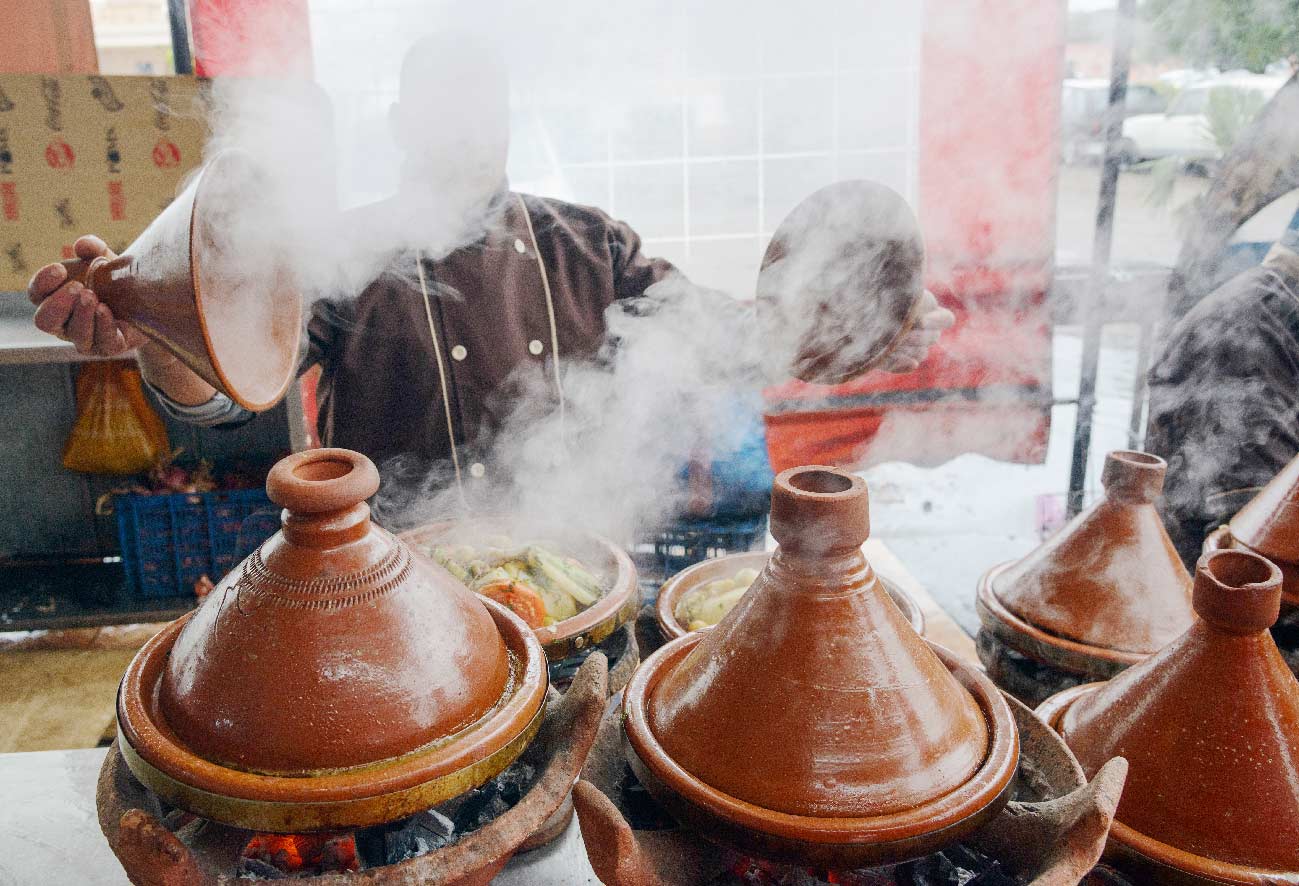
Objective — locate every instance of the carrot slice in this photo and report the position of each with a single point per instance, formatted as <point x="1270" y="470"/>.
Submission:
<point x="520" y="599"/>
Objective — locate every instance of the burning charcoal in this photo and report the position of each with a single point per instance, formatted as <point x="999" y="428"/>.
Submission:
<point x="485" y="803"/>
<point x="251" y="868"/>
<point x="276" y="856"/>
<point x="955" y="866"/>
<point x="640" y="809"/>
<point x="418" y="835"/>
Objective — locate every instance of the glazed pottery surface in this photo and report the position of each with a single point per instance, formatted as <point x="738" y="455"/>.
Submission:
<point x="1210" y="727"/>
<point x="203" y="283"/>
<point x="1222" y="539"/>
<point x="813" y="711"/>
<point x="1269" y="523"/>
<point x="842" y="280"/>
<point x="334" y="665"/>
<point x="592" y="625"/>
<point x="1108" y="585"/>
<point x="726" y="566"/>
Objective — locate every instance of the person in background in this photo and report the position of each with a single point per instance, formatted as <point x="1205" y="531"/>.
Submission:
<point x="415" y="365"/>
<point x="1224" y="397"/>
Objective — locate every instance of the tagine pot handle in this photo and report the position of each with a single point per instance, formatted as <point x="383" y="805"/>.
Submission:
<point x="1073" y="829"/>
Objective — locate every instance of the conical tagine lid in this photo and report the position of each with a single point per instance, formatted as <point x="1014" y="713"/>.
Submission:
<point x="1210" y="729"/>
<point x="814" y="696"/>
<point x="334" y="678"/>
<point x="1110" y="579"/>
<point x="1269" y="524"/>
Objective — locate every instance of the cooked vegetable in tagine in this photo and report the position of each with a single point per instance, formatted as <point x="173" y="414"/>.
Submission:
<point x="708" y="604"/>
<point x="537" y="584"/>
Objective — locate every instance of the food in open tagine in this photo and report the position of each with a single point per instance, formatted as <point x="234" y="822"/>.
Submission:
<point x="537" y="584"/>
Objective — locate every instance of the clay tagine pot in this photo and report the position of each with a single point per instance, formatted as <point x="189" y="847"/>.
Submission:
<point x="334" y="679"/>
<point x="1269" y="525"/>
<point x="813" y="725"/>
<point x="1104" y="592"/>
<point x="1210" y="728"/>
<point x="726" y="566"/>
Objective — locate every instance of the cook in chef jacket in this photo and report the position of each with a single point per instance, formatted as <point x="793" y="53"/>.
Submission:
<point x="416" y="366"/>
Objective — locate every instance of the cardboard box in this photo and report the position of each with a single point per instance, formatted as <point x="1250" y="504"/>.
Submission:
<point x="89" y="155"/>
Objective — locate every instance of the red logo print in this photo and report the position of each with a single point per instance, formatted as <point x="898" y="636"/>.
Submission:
<point x="165" y="154"/>
<point x="9" y="200"/>
<point x="59" y="155"/>
<point x="116" y="201"/>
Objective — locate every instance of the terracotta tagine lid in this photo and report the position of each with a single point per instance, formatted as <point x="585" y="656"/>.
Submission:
<point x="1104" y="592"/>
<point x="813" y="724"/>
<point x="1269" y="525"/>
<point x="333" y="674"/>
<point x="1210" y="728"/>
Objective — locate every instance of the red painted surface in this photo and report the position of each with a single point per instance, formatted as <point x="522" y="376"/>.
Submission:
<point x="989" y="123"/>
<point x="250" y="38"/>
<point x="47" y="37"/>
<point x="253" y="38"/>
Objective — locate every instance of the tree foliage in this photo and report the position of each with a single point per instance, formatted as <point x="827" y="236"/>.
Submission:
<point x="1228" y="34"/>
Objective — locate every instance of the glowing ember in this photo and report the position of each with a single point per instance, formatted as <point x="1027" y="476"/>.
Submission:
<point x="277" y="855"/>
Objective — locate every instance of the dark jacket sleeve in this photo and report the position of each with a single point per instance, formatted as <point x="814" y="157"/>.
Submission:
<point x="633" y="270"/>
<point x="1224" y="402"/>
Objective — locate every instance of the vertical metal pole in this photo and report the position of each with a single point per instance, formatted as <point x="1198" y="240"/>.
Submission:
<point x="1145" y="331"/>
<point x="1101" y="245"/>
<point x="180" y="51"/>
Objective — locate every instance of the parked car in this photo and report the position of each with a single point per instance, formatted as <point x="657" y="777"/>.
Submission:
<point x="1186" y="130"/>
<point x="1082" y="115"/>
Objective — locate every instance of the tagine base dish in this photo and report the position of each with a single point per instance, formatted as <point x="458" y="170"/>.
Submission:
<point x="840" y="842"/>
<point x="700" y="574"/>
<point x="571" y="638"/>
<point x="158" y="845"/>
<point x="1071" y="656"/>
<point x="343" y="798"/>
<point x="1150" y="861"/>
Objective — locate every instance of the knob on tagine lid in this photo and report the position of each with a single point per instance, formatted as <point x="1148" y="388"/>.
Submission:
<point x="1210" y="728"/>
<point x="813" y="712"/>
<point x="332" y="667"/>
<point x="1109" y="585"/>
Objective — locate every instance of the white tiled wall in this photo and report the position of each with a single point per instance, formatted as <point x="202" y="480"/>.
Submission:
<point x="700" y="122"/>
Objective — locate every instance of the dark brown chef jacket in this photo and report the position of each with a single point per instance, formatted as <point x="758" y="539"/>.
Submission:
<point x="380" y="391"/>
<point x="1224" y="399"/>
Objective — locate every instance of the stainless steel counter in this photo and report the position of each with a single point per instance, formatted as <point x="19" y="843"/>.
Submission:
<point x="49" y="831"/>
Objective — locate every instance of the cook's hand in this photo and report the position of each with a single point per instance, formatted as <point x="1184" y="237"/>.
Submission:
<point x="914" y="347"/>
<point x="74" y="313"/>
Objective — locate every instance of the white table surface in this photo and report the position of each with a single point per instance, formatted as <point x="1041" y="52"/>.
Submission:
<point x="49" y="831"/>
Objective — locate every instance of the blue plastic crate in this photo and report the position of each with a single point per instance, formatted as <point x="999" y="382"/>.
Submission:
<point x="169" y="541"/>
<point x="688" y="542"/>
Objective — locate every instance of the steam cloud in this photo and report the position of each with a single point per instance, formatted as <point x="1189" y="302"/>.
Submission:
<point x="612" y="460"/>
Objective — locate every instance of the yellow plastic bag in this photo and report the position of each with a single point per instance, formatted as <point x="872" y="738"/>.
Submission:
<point x="116" y="431"/>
